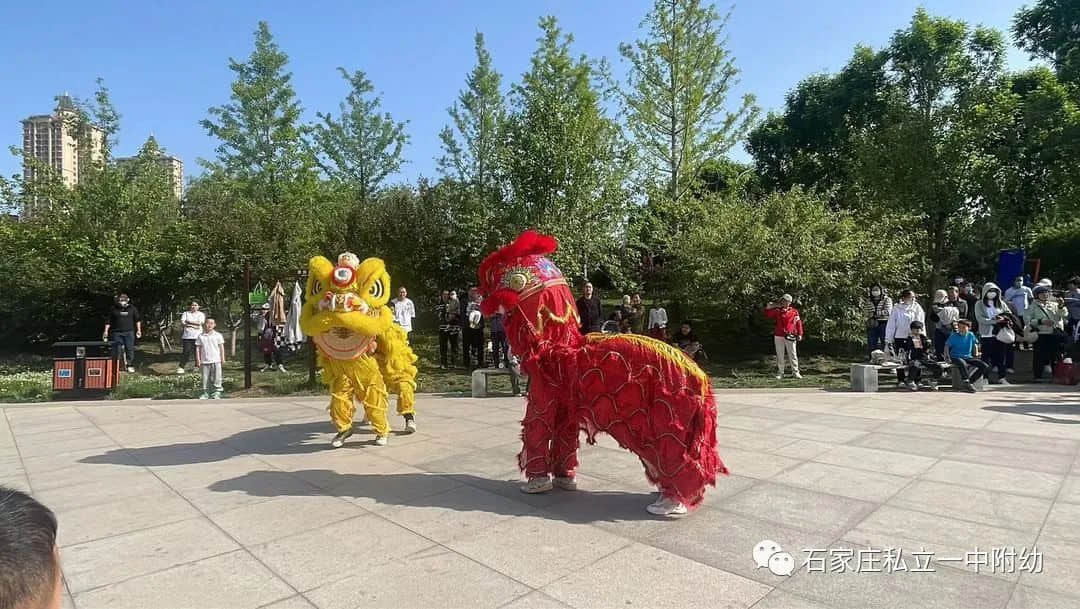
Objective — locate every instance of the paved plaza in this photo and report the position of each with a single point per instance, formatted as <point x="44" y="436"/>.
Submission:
<point x="240" y="504"/>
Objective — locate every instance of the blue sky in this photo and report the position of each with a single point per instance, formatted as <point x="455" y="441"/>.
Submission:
<point x="166" y="62"/>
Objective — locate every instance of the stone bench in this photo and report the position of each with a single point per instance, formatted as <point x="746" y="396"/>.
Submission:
<point x="864" y="377"/>
<point x="480" y="380"/>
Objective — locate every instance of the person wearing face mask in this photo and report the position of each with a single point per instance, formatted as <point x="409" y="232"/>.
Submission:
<point x="877" y="309"/>
<point x="970" y="298"/>
<point x="123" y="327"/>
<point x="1047" y="315"/>
<point x="898" y="329"/>
<point x="991" y="313"/>
<point x="1019" y="297"/>
<point x="944" y="314"/>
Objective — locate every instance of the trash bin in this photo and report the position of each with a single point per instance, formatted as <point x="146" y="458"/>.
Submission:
<point x="81" y="369"/>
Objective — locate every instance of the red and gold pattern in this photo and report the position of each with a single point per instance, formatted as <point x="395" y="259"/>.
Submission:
<point x="650" y="397"/>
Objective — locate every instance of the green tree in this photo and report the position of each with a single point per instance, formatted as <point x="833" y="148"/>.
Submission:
<point x="1050" y="30"/>
<point x="472" y="148"/>
<point x="1028" y="170"/>
<point x="261" y="138"/>
<point x="565" y="161"/>
<point x="677" y="91"/>
<point x="362" y="147"/>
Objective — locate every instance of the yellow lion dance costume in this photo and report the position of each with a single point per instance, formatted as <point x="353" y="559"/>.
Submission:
<point x="361" y="351"/>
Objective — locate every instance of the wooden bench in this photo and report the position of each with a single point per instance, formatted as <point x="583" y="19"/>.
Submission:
<point x="480" y="380"/>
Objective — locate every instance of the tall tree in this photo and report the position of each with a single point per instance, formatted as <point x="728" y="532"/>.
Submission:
<point x="261" y="138"/>
<point x="362" y="147"/>
<point x="1050" y="30"/>
<point x="921" y="163"/>
<point x="565" y="159"/>
<point x="472" y="147"/>
<point x="676" y="97"/>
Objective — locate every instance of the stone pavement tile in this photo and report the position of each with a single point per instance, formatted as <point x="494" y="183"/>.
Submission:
<point x="534" y="600"/>
<point x="977" y="505"/>
<point x="536" y="550"/>
<point x="383" y="486"/>
<point x="1051" y="463"/>
<point x="912" y="445"/>
<point x="437" y="426"/>
<point x="283" y="516"/>
<point x="176" y="454"/>
<point x="314" y="558"/>
<point x="617" y="464"/>
<point x="995" y="478"/>
<point x="649" y="577"/>
<point x="945" y="588"/>
<point x="740" y="421"/>
<point x="120" y="413"/>
<point x="203" y="474"/>
<point x="1025" y="442"/>
<point x="66" y="602"/>
<point x="61" y="442"/>
<point x="141" y="435"/>
<point x="868" y="411"/>
<point x="488" y="437"/>
<point x="490" y="463"/>
<point x="726" y="540"/>
<point x="1070" y="492"/>
<point x="115" y="559"/>
<point x="751" y="440"/>
<point x="780" y="414"/>
<point x="16" y="482"/>
<point x="803" y="449"/>
<point x="1076" y="466"/>
<point x="821" y="433"/>
<point x="836" y="480"/>
<point x="1060" y="564"/>
<point x="234" y="580"/>
<point x="294" y="602"/>
<point x="90" y="457"/>
<point x="1064" y="523"/>
<point x="435" y="577"/>
<point x="78" y="493"/>
<point x="46" y="420"/>
<point x="87" y="523"/>
<point x="931" y="432"/>
<point x="946" y="537"/>
<point x="961" y="421"/>
<point x="799" y="508"/>
<point x="455" y="513"/>
<point x="754" y="464"/>
<point x="1032" y="427"/>
<point x="778" y="599"/>
<point x="80" y="472"/>
<point x="886" y="462"/>
<point x="1027" y="597"/>
<point x="429" y="449"/>
<point x="844" y="421"/>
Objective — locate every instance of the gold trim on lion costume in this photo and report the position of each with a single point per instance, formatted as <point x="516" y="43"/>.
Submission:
<point x="363" y="354"/>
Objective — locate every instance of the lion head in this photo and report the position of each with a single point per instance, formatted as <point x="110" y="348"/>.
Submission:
<point x="346" y="305"/>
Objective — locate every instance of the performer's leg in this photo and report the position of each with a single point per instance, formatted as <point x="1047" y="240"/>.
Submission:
<point x="342" y="410"/>
<point x="370" y="389"/>
<point x="537" y="431"/>
<point x="564" y="450"/>
<point x="406" y="406"/>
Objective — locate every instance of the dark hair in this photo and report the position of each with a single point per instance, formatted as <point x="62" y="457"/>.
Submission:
<point x="906" y="294"/>
<point x="963" y="321"/>
<point x="916" y="325"/>
<point x="1073" y="280"/>
<point x="28" y="567"/>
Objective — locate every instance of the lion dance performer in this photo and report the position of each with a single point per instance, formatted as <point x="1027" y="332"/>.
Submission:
<point x="649" y="396"/>
<point x="361" y="351"/>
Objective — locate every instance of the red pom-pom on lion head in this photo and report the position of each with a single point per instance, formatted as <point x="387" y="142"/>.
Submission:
<point x="517" y="270"/>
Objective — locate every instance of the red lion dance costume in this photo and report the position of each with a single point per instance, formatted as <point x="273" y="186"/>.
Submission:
<point x="649" y="396"/>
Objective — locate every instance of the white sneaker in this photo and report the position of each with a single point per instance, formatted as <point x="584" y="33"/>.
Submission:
<point x="179" y="370"/>
<point x="382" y="440"/>
<point x="1010" y="371"/>
<point x="264" y="368"/>
<point x="666" y="507"/>
<point x="797" y="375"/>
<point x="912" y="386"/>
<point x="541" y="484"/>
<point x="281" y="368"/>
<point x="779" y="377"/>
<point x="565" y="483"/>
<point x="1048" y="371"/>
<point x="410" y="425"/>
<point x="131" y="368"/>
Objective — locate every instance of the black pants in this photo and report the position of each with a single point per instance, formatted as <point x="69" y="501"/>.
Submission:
<point x="472" y="348"/>
<point x="993" y="353"/>
<point x="1047" y="353"/>
<point x="272" y="358"/>
<point x="499" y="348"/>
<point x="127" y="343"/>
<point x="901" y="345"/>
<point x="188" y="353"/>
<point x="448" y="346"/>
<point x="940" y="336"/>
<point x="973" y="369"/>
<point x="915" y="368"/>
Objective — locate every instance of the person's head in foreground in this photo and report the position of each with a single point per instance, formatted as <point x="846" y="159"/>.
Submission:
<point x="962" y="326"/>
<point x="29" y="560"/>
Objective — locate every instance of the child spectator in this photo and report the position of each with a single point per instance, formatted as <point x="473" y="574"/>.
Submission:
<point x="921" y="357"/>
<point x="962" y="349"/>
<point x="786" y="333"/>
<point x="209" y="355"/>
<point x="270" y="345"/>
<point x="658" y="322"/>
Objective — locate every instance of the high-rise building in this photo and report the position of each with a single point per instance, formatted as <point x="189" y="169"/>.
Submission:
<point x="173" y="166"/>
<point x="55" y="140"/>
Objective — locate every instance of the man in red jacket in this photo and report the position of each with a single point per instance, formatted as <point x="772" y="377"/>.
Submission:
<point x="787" y="333"/>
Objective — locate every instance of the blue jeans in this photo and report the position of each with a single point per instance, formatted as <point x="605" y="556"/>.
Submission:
<point x="875" y="338"/>
<point x="127" y="341"/>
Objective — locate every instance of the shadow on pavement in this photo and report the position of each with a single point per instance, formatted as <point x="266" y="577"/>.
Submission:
<point x="1037" y="406"/>
<point x="431" y="490"/>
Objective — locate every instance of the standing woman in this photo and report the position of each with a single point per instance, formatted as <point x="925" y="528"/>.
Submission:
<point x="658" y="322"/>
<point x="878" y="308"/>
<point x="991" y="315"/>
<point x="898" y="329"/>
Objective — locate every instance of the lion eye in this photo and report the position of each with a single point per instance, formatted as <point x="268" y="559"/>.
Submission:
<point x="517" y="281"/>
<point x="377" y="289"/>
<point x="316" y="287"/>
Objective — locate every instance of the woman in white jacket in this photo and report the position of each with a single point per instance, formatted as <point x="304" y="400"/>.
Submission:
<point x="898" y="330"/>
